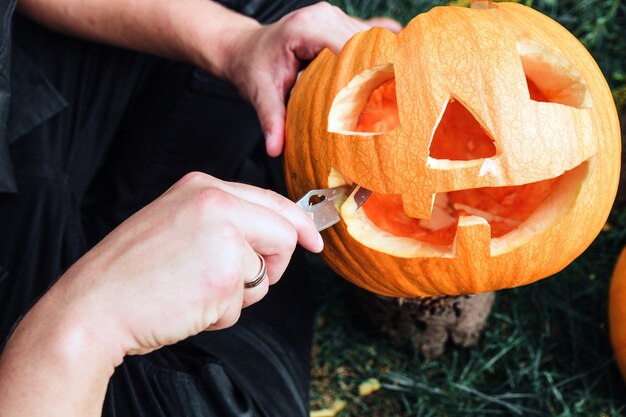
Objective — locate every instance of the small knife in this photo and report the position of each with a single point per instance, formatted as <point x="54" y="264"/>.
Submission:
<point x="320" y="204"/>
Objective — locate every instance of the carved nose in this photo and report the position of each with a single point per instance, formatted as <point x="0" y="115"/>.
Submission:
<point x="460" y="137"/>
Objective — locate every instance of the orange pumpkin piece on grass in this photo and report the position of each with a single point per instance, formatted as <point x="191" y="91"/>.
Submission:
<point x="617" y="313"/>
<point x="488" y="136"/>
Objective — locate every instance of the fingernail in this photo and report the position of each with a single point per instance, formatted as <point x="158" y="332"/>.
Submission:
<point x="268" y="143"/>
<point x="320" y="242"/>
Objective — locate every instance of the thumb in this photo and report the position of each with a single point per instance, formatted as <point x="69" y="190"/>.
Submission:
<point x="270" y="108"/>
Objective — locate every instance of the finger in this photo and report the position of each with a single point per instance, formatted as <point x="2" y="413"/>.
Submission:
<point x="307" y="234"/>
<point x="229" y="317"/>
<point x="320" y="26"/>
<point x="385" y="22"/>
<point x="257" y="286"/>
<point x="334" y="38"/>
<point x="197" y="182"/>
<point x="247" y="228"/>
<point x="271" y="236"/>
<point x="273" y="122"/>
<point x="269" y="103"/>
<point x="242" y="265"/>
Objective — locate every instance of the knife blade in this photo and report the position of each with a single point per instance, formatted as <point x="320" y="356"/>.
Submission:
<point x="321" y="204"/>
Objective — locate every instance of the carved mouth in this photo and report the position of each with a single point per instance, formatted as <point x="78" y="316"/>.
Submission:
<point x="515" y="214"/>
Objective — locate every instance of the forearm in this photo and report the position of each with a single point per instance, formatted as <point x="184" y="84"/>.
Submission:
<point x="53" y="365"/>
<point x="197" y="31"/>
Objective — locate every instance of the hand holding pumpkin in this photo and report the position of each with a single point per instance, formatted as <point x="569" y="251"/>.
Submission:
<point x="261" y="61"/>
<point x="264" y="62"/>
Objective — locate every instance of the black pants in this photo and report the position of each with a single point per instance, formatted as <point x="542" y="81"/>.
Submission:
<point x="134" y="125"/>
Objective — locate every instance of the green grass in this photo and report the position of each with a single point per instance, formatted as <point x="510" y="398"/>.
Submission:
<point x="545" y="350"/>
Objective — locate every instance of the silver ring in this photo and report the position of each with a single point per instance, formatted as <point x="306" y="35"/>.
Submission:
<point x="258" y="278"/>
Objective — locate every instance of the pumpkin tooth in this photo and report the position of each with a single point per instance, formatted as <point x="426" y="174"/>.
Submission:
<point x="418" y="206"/>
<point x="473" y="241"/>
<point x="443" y="214"/>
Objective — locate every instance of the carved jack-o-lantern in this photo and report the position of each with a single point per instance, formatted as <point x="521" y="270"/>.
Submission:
<point x="488" y="136"/>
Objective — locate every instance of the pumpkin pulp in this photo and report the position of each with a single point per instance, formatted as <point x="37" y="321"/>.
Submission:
<point x="458" y="137"/>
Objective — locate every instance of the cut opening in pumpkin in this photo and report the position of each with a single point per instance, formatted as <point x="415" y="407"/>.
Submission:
<point x="459" y="137"/>
<point x="551" y="77"/>
<point x="514" y="213"/>
<point x="504" y="208"/>
<point x="367" y="105"/>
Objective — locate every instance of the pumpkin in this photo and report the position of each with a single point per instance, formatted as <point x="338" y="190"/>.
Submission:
<point x="617" y="312"/>
<point x="488" y="136"/>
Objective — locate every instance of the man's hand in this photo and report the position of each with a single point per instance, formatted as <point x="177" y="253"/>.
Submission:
<point x="178" y="266"/>
<point x="175" y="268"/>
<point x="264" y="61"/>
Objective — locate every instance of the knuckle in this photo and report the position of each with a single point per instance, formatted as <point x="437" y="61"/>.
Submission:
<point x="285" y="242"/>
<point x="229" y="318"/>
<point x="298" y="18"/>
<point x="231" y="281"/>
<point x="338" y="10"/>
<point x="228" y="237"/>
<point x="313" y="16"/>
<point x="225" y="279"/>
<point x="325" y="6"/>
<point x="210" y="201"/>
<point x="304" y="17"/>
<point x="276" y="200"/>
<point x="233" y="317"/>
<point x="281" y="205"/>
<point x="291" y="239"/>
<point x="194" y="178"/>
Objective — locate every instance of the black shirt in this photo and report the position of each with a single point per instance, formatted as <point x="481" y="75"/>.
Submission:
<point x="27" y="98"/>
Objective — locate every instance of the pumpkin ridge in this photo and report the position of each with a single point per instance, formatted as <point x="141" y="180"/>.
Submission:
<point x="546" y="193"/>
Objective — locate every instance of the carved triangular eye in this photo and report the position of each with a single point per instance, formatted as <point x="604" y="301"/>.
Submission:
<point x="551" y="77"/>
<point x="367" y="105"/>
<point x="460" y="137"/>
<point x="380" y="113"/>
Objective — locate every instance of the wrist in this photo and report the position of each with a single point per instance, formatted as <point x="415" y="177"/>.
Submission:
<point x="82" y="320"/>
<point x="57" y="361"/>
<point x="71" y="329"/>
<point x="219" y="40"/>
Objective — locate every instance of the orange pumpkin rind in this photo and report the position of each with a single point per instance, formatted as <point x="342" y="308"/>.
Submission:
<point x="530" y="87"/>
